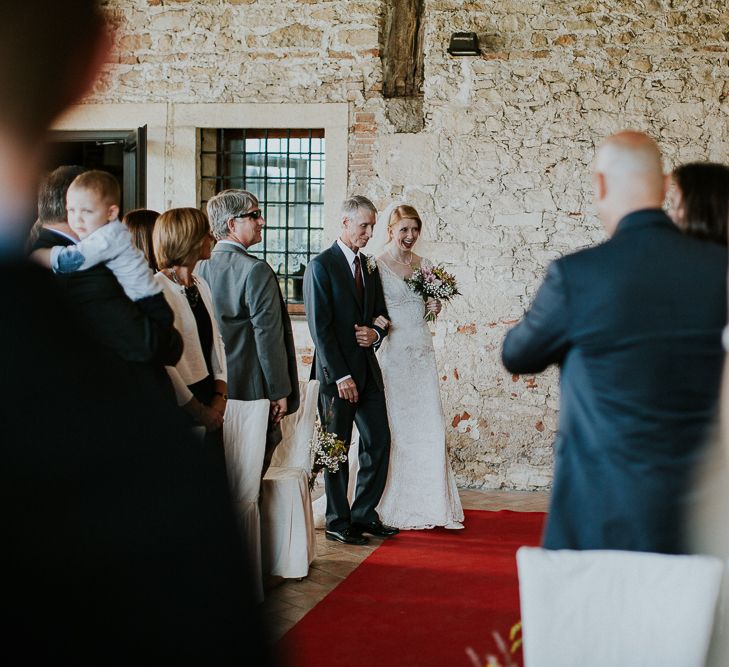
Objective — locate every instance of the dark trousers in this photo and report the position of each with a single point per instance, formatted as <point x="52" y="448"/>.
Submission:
<point x="370" y="415"/>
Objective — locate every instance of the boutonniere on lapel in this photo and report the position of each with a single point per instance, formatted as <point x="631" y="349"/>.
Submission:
<point x="370" y="263"/>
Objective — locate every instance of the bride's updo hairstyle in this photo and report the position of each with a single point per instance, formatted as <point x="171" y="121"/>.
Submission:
<point x="402" y="212"/>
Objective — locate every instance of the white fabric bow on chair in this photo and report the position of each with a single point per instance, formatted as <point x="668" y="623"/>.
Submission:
<point x="607" y="608"/>
<point x="244" y="434"/>
<point x="287" y="528"/>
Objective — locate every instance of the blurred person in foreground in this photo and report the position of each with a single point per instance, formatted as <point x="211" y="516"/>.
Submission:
<point x="140" y="223"/>
<point x="698" y="197"/>
<point x="698" y="202"/>
<point x="117" y="548"/>
<point x="635" y="326"/>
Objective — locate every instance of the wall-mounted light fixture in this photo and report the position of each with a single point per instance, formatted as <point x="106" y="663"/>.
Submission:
<point x="464" y="44"/>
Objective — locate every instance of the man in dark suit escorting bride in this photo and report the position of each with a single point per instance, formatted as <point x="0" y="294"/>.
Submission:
<point x="343" y="297"/>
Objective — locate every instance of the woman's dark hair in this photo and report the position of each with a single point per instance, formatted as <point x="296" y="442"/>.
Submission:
<point x="140" y="223"/>
<point x="704" y="211"/>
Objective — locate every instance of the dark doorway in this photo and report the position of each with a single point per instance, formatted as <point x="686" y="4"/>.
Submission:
<point x="122" y="153"/>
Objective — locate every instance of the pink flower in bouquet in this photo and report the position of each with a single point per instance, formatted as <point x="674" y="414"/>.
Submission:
<point x="433" y="282"/>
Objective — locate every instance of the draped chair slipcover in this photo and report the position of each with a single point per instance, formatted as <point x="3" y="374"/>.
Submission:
<point x="244" y="434"/>
<point x="287" y="529"/>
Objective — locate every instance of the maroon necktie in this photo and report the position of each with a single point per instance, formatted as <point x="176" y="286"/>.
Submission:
<point x="358" y="281"/>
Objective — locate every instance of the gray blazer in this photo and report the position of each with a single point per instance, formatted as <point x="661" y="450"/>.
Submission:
<point x="255" y="325"/>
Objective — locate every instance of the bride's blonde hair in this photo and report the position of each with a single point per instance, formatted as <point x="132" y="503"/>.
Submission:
<point x="402" y="212"/>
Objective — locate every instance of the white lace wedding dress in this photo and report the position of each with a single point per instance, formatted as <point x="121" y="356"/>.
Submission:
<point x="421" y="489"/>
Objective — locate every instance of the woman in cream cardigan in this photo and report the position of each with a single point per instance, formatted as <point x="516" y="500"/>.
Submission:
<point x="181" y="237"/>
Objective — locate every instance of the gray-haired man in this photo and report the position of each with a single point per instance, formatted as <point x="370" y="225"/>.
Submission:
<point x="251" y="313"/>
<point x="343" y="298"/>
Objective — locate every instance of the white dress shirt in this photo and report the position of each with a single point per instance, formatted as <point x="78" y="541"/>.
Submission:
<point x="350" y="255"/>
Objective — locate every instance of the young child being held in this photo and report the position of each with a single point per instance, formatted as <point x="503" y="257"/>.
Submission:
<point x="92" y="205"/>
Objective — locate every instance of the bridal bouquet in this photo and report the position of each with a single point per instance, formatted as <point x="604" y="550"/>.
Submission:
<point x="327" y="453"/>
<point x="433" y="282"/>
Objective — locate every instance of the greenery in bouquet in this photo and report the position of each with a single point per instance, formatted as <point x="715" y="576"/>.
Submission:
<point x="433" y="282"/>
<point x="327" y="453"/>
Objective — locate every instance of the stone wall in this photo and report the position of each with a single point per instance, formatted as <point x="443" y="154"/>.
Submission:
<point x="501" y="171"/>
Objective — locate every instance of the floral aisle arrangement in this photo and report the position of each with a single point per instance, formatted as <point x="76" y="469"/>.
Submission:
<point x="433" y="282"/>
<point x="327" y="453"/>
<point x="508" y="653"/>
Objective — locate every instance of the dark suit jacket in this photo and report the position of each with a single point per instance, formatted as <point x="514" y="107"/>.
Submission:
<point x="139" y="331"/>
<point x="119" y="541"/>
<point x="332" y="310"/>
<point x="635" y="325"/>
<point x="255" y="326"/>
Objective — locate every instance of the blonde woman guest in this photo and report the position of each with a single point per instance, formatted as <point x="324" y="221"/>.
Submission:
<point x="181" y="238"/>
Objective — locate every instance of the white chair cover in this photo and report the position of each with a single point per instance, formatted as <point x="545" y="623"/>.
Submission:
<point x="708" y="530"/>
<point x="607" y="608"/>
<point x="287" y="529"/>
<point x="244" y="434"/>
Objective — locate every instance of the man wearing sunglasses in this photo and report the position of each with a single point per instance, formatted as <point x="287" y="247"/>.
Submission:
<point x="251" y="313"/>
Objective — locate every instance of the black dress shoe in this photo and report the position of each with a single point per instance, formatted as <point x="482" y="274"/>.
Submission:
<point x="376" y="528"/>
<point x="346" y="535"/>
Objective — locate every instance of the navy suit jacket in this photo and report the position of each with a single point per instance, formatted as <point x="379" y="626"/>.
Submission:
<point x="635" y="325"/>
<point x="332" y="310"/>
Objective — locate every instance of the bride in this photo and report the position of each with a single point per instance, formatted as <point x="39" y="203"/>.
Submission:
<point x="421" y="490"/>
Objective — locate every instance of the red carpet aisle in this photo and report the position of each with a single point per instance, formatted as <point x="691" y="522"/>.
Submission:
<point x="420" y="599"/>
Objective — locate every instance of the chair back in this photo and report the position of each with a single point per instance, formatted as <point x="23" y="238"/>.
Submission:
<point x="607" y="608"/>
<point x="297" y="429"/>
<point x="244" y="434"/>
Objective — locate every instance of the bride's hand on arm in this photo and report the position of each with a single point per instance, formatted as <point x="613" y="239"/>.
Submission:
<point x="433" y="306"/>
<point x="382" y="322"/>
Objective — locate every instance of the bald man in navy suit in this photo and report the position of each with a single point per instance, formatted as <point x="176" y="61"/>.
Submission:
<point x="635" y="326"/>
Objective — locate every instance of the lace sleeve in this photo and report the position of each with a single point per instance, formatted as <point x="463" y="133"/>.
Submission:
<point x="426" y="263"/>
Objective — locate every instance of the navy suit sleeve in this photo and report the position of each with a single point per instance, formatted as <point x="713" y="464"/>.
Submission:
<point x="319" y="300"/>
<point x="541" y="338"/>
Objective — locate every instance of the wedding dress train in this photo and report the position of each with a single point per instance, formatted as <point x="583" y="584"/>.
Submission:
<point x="421" y="489"/>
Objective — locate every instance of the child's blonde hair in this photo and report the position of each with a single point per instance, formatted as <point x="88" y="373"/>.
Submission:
<point x="101" y="182"/>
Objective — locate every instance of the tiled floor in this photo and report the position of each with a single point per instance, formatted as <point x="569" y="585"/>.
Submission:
<point x="287" y="603"/>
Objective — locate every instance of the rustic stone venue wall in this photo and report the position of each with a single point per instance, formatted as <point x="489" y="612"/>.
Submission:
<point x="501" y="170"/>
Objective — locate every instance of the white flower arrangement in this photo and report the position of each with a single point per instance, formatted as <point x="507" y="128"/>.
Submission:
<point x="433" y="282"/>
<point x="327" y="453"/>
<point x="370" y="263"/>
<point x="507" y="651"/>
